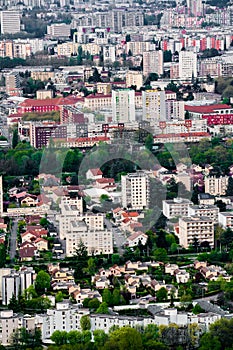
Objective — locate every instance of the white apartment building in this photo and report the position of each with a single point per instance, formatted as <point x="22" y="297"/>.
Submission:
<point x="216" y="185"/>
<point x="123" y="105"/>
<point x="176" y="207"/>
<point x="59" y="30"/>
<point x="174" y="110"/>
<point x="225" y="219"/>
<point x="211" y="211"/>
<point x="135" y="190"/>
<point x="181" y="126"/>
<point x="16" y="282"/>
<point x="153" y="106"/>
<point x="10" y="22"/>
<point x="134" y="78"/>
<point x="187" y="65"/>
<point x="9" y="323"/>
<point x="153" y="62"/>
<point x="105" y="322"/>
<point x="200" y="227"/>
<point x="96" y="241"/>
<point x="63" y="318"/>
<point x="70" y="213"/>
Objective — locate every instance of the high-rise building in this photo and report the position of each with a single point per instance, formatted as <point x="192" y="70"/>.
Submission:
<point x="187" y="65"/>
<point x="196" y="227"/>
<point x="135" y="190"/>
<point x="10" y="22"/>
<point x="153" y="62"/>
<point x="153" y="106"/>
<point x="123" y="105"/>
<point x="59" y="30"/>
<point x="13" y="84"/>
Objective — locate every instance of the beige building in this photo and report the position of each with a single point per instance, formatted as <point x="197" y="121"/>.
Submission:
<point x="43" y="94"/>
<point x="198" y="227"/>
<point x="153" y="106"/>
<point x="135" y="190"/>
<point x="216" y="185"/>
<point x="43" y="76"/>
<point x="97" y="101"/>
<point x="134" y="78"/>
<point x="104" y="88"/>
<point x="96" y="241"/>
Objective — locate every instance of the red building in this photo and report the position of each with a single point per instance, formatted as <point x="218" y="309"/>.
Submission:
<point x="217" y="114"/>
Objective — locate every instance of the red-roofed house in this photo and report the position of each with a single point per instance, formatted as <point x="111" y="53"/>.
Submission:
<point x="106" y="183"/>
<point x="27" y="251"/>
<point x="94" y="174"/>
<point x="47" y="105"/>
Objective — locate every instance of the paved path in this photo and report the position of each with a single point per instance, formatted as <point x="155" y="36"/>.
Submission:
<point x="13" y="238"/>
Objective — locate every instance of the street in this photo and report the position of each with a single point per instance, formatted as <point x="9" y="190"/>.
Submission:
<point x="119" y="237"/>
<point x="13" y="239"/>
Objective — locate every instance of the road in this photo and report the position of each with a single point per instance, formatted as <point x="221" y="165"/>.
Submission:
<point x="13" y="239"/>
<point x="118" y="236"/>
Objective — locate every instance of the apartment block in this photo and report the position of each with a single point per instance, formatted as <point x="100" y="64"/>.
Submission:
<point x="225" y="219"/>
<point x="10" y="22"/>
<point x="153" y="62"/>
<point x="134" y="78"/>
<point x="123" y="105"/>
<point x="58" y="30"/>
<point x="153" y="106"/>
<point x="216" y="185"/>
<point x="187" y="65"/>
<point x="135" y="190"/>
<point x="71" y="115"/>
<point x="96" y="241"/>
<point x="13" y="84"/>
<point x="210" y="211"/>
<point x="199" y="227"/>
<point x="176" y="207"/>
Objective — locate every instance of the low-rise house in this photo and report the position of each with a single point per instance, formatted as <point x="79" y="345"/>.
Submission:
<point x="106" y="183"/>
<point x="170" y="268"/>
<point x="206" y="319"/>
<point x="136" y="238"/>
<point x="101" y="282"/>
<point x="81" y="294"/>
<point x="27" y="251"/>
<point x="182" y="276"/>
<point x="94" y="174"/>
<point x="29" y="201"/>
<point x="41" y="244"/>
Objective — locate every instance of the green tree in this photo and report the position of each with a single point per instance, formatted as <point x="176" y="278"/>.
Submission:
<point x="208" y="341"/>
<point x="149" y="142"/>
<point x="42" y="282"/>
<point x="125" y="338"/>
<point x="74" y="337"/>
<point x="107" y="296"/>
<point x="80" y="259"/>
<point x="161" y="294"/>
<point x="93" y="304"/>
<point x="14" y="304"/>
<point x="229" y="190"/>
<point x="59" y="296"/>
<point x="59" y="337"/>
<point x="2" y="255"/>
<point x="103" y="308"/>
<point x="15" y="138"/>
<point x="116" y="296"/>
<point x="160" y="254"/>
<point x="44" y="222"/>
<point x="85" y="323"/>
<point x="100" y="338"/>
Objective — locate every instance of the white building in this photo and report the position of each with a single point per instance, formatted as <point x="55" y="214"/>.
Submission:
<point x="225" y="219"/>
<point x="153" y="106"/>
<point x="135" y="190"/>
<point x="216" y="185"/>
<point x="176" y="207"/>
<point x="192" y="227"/>
<point x="211" y="211"/>
<point x="153" y="62"/>
<point x="123" y="105"/>
<point x="10" y="22"/>
<point x="187" y="65"/>
<point x="59" y="30"/>
<point x="62" y="318"/>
